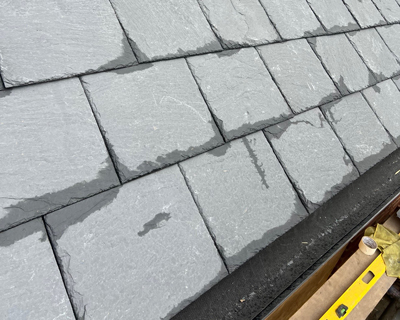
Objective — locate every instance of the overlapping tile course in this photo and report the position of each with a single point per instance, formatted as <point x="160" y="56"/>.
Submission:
<point x="365" y="12"/>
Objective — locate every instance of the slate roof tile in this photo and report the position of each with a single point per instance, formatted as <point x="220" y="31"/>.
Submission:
<point x="365" y="12"/>
<point x="390" y="34"/>
<point x="389" y="9"/>
<point x="396" y="81"/>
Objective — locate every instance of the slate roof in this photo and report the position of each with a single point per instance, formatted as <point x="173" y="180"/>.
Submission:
<point x="148" y="149"/>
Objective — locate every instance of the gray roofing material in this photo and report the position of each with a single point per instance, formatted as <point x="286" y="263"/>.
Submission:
<point x="389" y="9"/>
<point x="389" y="35"/>
<point x="365" y="12"/>
<point x="396" y="81"/>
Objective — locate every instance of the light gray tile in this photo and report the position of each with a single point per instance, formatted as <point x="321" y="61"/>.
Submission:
<point x="51" y="150"/>
<point x="244" y="195"/>
<point x="390" y="35"/>
<point x="390" y="9"/>
<point x="299" y="74"/>
<point x="313" y="157"/>
<point x="365" y="12"/>
<point x="145" y="244"/>
<point x="30" y="281"/>
<point x="396" y="81"/>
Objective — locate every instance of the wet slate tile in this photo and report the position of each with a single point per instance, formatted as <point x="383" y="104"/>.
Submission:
<point x="51" y="150"/>
<point x="1" y="85"/>
<point x="239" y="91"/>
<point x="299" y="74"/>
<point x="239" y="22"/>
<point x="293" y="19"/>
<point x="145" y="245"/>
<point x="365" y="12"/>
<point x="384" y="99"/>
<point x="47" y="40"/>
<point x="152" y="116"/>
<point x="165" y="29"/>
<point x="375" y="53"/>
<point x="30" y="281"/>
<point x="313" y="157"/>
<point x="343" y="63"/>
<point x="389" y="9"/>
<point x="244" y="196"/>
<point x="334" y="15"/>
<point x="390" y="34"/>
<point x="367" y="142"/>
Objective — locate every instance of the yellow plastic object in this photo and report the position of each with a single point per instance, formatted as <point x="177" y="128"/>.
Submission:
<point x="353" y="295"/>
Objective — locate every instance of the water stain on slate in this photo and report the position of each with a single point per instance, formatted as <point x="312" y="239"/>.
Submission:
<point x="18" y="233"/>
<point x="331" y="97"/>
<point x="227" y="53"/>
<point x="5" y="93"/>
<point x="132" y="69"/>
<point x="255" y="161"/>
<point x="279" y="129"/>
<point x="220" y="151"/>
<point x="126" y="59"/>
<point x="155" y="223"/>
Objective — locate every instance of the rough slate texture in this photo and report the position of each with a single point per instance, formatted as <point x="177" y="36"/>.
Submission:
<point x="367" y="142"/>
<point x="299" y="74"/>
<point x="244" y="195"/>
<point x="51" y="150"/>
<point x="334" y="15"/>
<point x="343" y="63"/>
<point x="239" y="91"/>
<point x="384" y="99"/>
<point x="365" y="12"/>
<point x="375" y="53"/>
<point x="293" y="19"/>
<point x="397" y="81"/>
<point x="389" y="9"/>
<point x="30" y="281"/>
<point x="313" y="157"/>
<point x="165" y="29"/>
<point x="390" y="35"/>
<point x="145" y="244"/>
<point x="47" y="39"/>
<point x="152" y="116"/>
<point x="239" y="22"/>
<point x="1" y="85"/>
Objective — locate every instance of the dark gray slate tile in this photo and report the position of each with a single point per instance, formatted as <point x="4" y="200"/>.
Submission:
<point x="52" y="152"/>
<point x="293" y="19"/>
<point x="165" y="29"/>
<point x="334" y="15"/>
<point x="343" y="63"/>
<point x="239" y="22"/>
<point x="313" y="157"/>
<point x="30" y="281"/>
<point x="396" y="81"/>
<point x="384" y="99"/>
<point x="389" y="9"/>
<point x="152" y="116"/>
<point x="299" y="74"/>
<point x="145" y="244"/>
<point x="375" y="53"/>
<point x="49" y="39"/>
<point x="365" y="12"/>
<point x="390" y="35"/>
<point x="359" y="130"/>
<point x="239" y="91"/>
<point x="244" y="196"/>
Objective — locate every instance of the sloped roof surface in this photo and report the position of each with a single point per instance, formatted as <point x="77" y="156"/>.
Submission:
<point x="149" y="148"/>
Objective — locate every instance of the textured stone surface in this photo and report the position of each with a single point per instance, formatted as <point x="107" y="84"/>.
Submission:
<point x="384" y="99"/>
<point x="47" y="39"/>
<point x="299" y="74"/>
<point x="334" y="15"/>
<point x="375" y="53"/>
<point x="313" y="157"/>
<point x="396" y="81"/>
<point x="152" y="115"/>
<point x="365" y="12"/>
<point x="165" y="29"/>
<point x="51" y="150"/>
<point x="367" y="142"/>
<point x="239" y="91"/>
<point x="343" y="63"/>
<point x="389" y="9"/>
<point x="145" y="244"/>
<point x="244" y="195"/>
<point x="1" y="84"/>
<point x="239" y="22"/>
<point x="293" y="19"/>
<point x="390" y="35"/>
<point x="31" y="285"/>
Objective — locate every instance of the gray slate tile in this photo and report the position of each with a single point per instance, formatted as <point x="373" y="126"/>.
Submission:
<point x="391" y="34"/>
<point x="165" y="29"/>
<point x="293" y="19"/>
<point x="51" y="150"/>
<point x="384" y="99"/>
<point x="1" y="84"/>
<point x="152" y="115"/>
<point x="396" y="81"/>
<point x="239" y="22"/>
<point x="313" y="157"/>
<point x="30" y="281"/>
<point x="145" y="244"/>
<point x="239" y="91"/>
<point x="343" y="63"/>
<point x="359" y="130"/>
<point x="375" y="53"/>
<point x="244" y="196"/>
<point x="299" y="74"/>
<point x="365" y="12"/>
<point x="334" y="15"/>
<point x="389" y="9"/>
<point x="47" y="40"/>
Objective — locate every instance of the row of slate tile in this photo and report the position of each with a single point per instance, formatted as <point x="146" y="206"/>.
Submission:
<point x="48" y="40"/>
